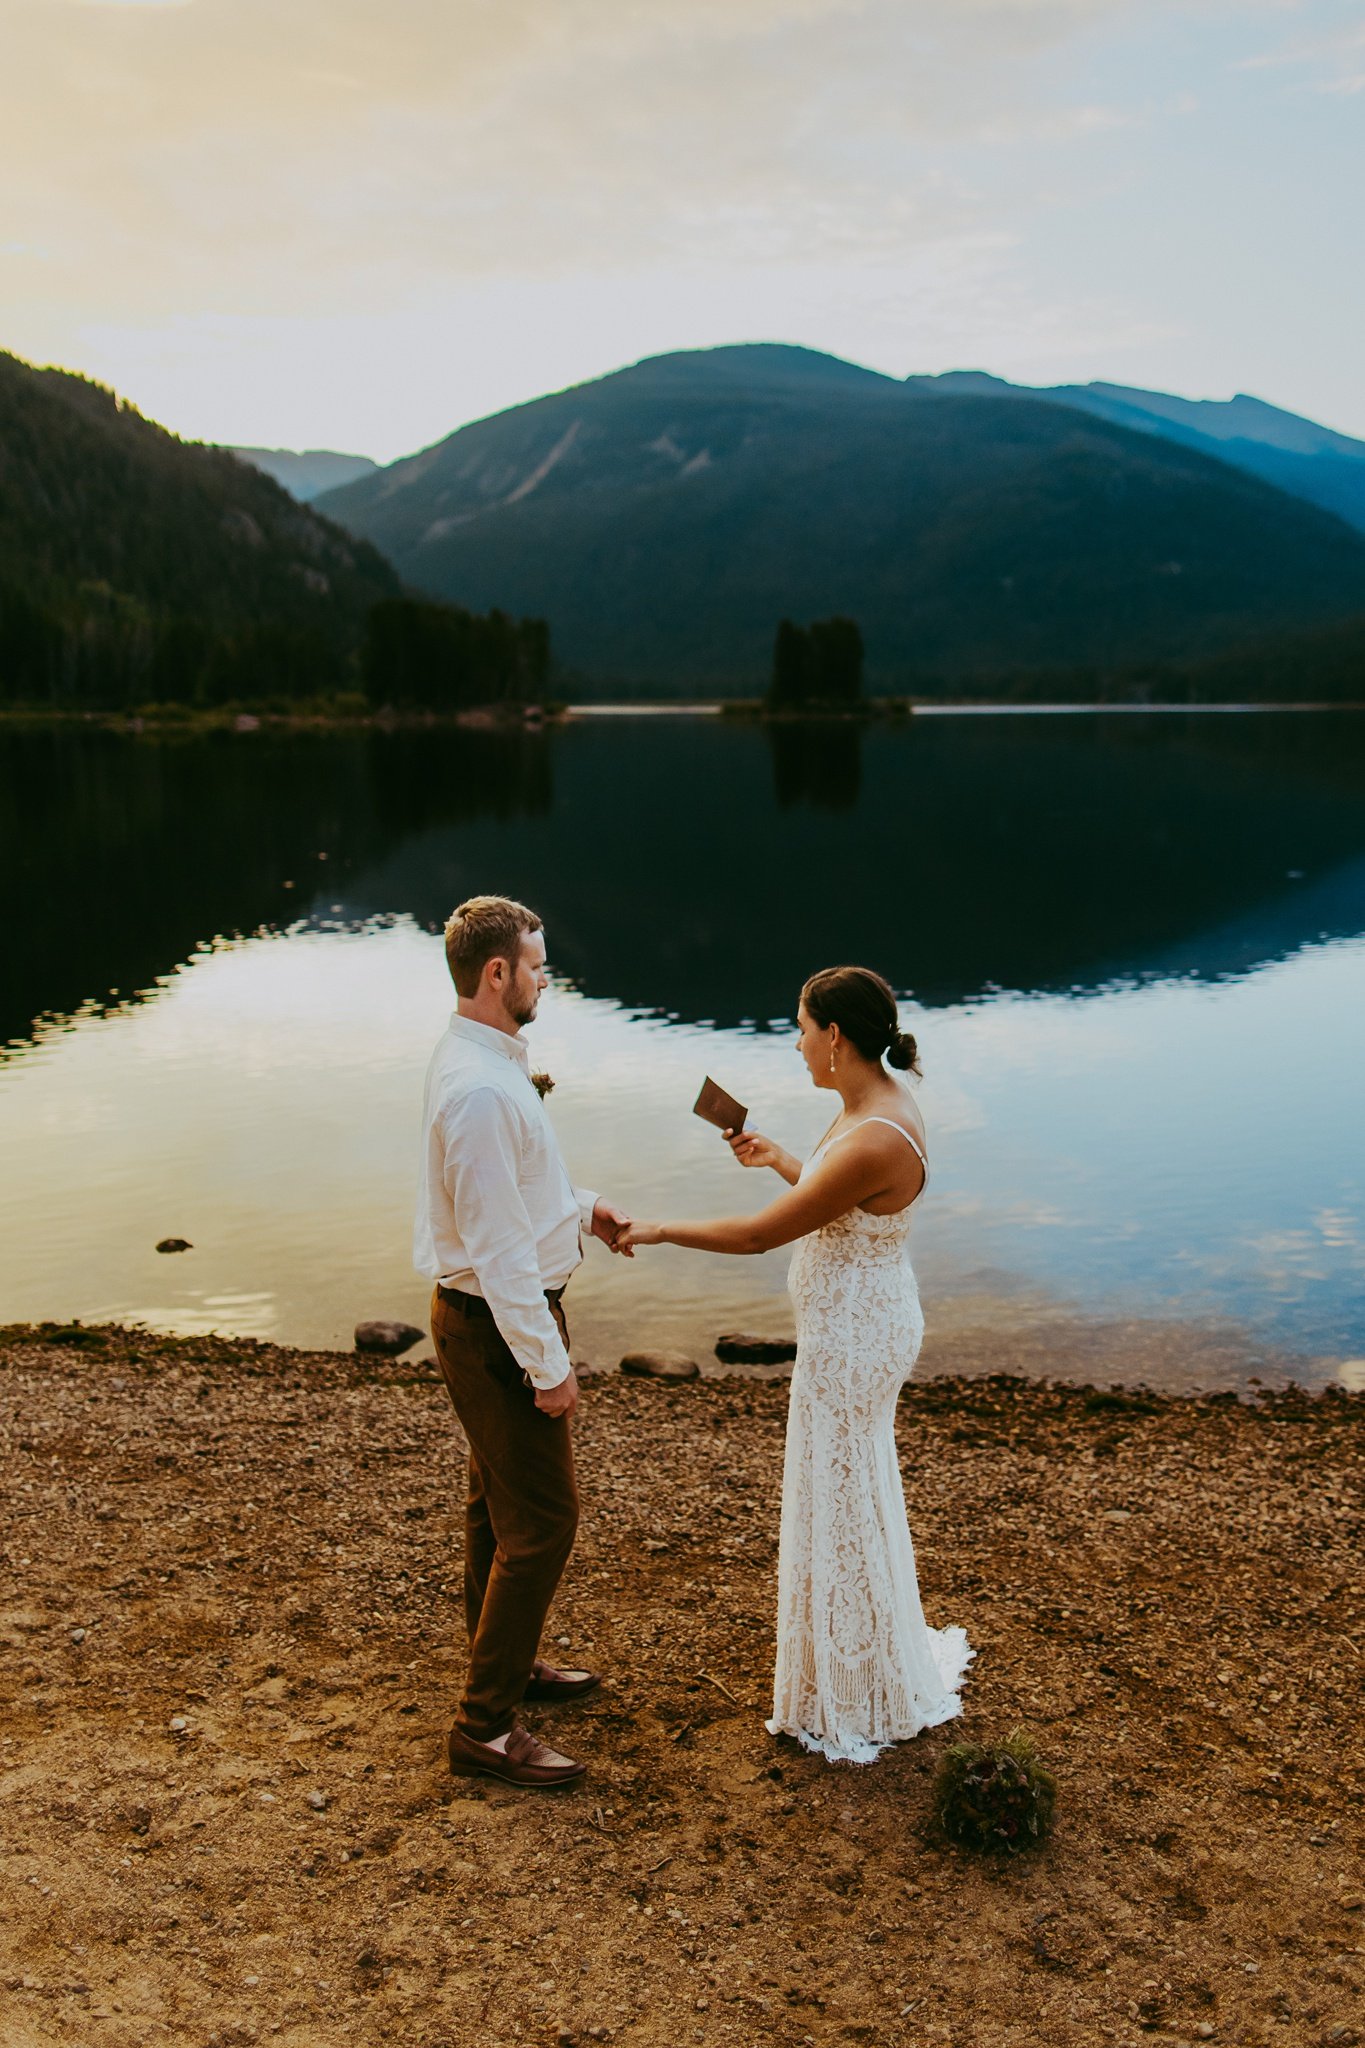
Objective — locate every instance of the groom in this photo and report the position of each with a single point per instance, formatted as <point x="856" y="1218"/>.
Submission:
<point x="499" y="1230"/>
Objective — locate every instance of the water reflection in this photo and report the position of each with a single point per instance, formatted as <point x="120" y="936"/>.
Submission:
<point x="1152" y="1156"/>
<point x="816" y="761"/>
<point x="697" y="870"/>
<point x="120" y="857"/>
<point x="1181" y="1145"/>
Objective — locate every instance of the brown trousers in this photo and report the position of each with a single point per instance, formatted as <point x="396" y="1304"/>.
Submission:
<point x="521" y="1516"/>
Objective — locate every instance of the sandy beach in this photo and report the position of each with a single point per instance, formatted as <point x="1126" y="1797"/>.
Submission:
<point x="231" y="1644"/>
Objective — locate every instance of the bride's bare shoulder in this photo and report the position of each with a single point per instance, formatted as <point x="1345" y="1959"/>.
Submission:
<point x="903" y="1111"/>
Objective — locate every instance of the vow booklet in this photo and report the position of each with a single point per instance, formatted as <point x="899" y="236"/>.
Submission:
<point x="717" y="1107"/>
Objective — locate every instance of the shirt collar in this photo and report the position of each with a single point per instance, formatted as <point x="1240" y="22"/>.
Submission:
<point x="492" y="1040"/>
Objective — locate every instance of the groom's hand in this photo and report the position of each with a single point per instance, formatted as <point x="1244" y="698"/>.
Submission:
<point x="561" y="1399"/>
<point x="607" y="1224"/>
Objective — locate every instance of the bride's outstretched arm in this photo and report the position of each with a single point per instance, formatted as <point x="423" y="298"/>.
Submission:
<point x="857" y="1173"/>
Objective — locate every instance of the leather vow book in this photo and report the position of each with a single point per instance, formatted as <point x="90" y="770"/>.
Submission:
<point x="715" y="1106"/>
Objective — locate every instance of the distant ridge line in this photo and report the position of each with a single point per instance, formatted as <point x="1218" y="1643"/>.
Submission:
<point x="664" y="518"/>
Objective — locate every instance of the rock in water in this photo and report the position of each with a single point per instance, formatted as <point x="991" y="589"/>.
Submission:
<point x="388" y="1338"/>
<point x="175" y="1244"/>
<point x="737" y="1348"/>
<point x="660" y="1365"/>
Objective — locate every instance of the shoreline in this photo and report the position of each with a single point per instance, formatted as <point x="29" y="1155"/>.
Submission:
<point x="167" y="721"/>
<point x="234" y="1644"/>
<point x="969" y="1337"/>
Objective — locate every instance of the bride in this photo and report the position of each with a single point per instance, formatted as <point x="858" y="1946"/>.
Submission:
<point x="857" y="1667"/>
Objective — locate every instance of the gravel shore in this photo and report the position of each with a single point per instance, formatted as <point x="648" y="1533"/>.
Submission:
<point x="230" y="1645"/>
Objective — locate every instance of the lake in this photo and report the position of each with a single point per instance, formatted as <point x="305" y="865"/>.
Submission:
<point x="1133" y="951"/>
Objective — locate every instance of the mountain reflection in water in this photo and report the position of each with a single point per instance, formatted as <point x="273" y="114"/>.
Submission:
<point x="1141" y="1068"/>
<point x="697" y="870"/>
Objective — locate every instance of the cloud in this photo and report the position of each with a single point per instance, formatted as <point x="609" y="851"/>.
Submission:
<point x="239" y="155"/>
<point x="1340" y="55"/>
<point x="1063" y="125"/>
<point x="246" y="213"/>
<point x="1352" y="82"/>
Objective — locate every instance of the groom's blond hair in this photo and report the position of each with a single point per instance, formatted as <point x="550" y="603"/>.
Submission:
<point x="483" y="929"/>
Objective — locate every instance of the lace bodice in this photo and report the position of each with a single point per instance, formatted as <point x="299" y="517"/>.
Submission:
<point x="857" y="1234"/>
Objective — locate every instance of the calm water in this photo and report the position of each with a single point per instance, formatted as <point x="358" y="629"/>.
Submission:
<point x="1133" y="951"/>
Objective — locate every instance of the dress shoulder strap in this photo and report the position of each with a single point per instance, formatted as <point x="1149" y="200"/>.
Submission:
<point x="891" y="1124"/>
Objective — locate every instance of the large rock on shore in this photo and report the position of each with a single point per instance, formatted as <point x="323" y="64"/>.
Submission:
<point x="660" y="1365"/>
<point x="389" y="1339"/>
<point x="736" y="1347"/>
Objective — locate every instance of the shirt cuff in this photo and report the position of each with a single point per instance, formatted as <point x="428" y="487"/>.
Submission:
<point x="548" y="1375"/>
<point x="538" y="1347"/>
<point x="587" y="1202"/>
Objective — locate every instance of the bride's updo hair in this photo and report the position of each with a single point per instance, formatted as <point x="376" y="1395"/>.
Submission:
<point x="863" y="1007"/>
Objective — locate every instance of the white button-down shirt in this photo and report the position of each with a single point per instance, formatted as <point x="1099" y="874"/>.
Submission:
<point x="497" y="1214"/>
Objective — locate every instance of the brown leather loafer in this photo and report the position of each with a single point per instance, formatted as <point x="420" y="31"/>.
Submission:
<point x="545" y="1683"/>
<point x="524" y="1761"/>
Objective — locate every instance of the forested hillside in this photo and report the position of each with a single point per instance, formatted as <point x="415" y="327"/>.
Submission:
<point x="665" y="518"/>
<point x="137" y="566"/>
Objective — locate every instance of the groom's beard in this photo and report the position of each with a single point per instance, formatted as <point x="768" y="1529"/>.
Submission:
<point x="523" y="1011"/>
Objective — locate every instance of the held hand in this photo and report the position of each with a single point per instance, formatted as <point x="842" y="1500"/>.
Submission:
<point x="608" y="1224"/>
<point x="751" y="1148"/>
<point x="639" y="1233"/>
<point x="559" y="1400"/>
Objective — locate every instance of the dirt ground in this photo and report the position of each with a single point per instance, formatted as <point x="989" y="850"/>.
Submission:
<point x="230" y="1646"/>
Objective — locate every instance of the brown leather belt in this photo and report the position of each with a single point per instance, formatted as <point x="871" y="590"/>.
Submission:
<point x="475" y="1305"/>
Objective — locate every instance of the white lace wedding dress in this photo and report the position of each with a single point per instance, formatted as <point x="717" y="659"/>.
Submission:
<point x="857" y="1666"/>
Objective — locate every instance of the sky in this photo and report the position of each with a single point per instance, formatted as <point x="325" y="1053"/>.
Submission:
<point x="346" y="224"/>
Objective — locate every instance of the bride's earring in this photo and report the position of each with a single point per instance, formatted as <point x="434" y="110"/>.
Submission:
<point x="831" y="1059"/>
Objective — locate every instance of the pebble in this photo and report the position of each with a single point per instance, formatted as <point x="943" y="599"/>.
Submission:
<point x="178" y="1724"/>
<point x="389" y="1339"/>
<point x="737" y="1347"/>
<point x="175" y="1244"/>
<point x="318" y="1801"/>
<point x="78" y="1635"/>
<point x="660" y="1365"/>
<point x="1199" y="1451"/>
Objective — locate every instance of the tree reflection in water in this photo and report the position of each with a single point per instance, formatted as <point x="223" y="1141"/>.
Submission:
<point x="817" y="761"/>
<point x="700" y="868"/>
<point x="120" y="857"/>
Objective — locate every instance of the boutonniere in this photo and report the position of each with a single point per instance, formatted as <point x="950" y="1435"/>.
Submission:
<point x="542" y="1083"/>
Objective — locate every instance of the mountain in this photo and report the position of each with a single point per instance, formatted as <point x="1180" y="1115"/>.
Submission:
<point x="134" y="565"/>
<point x="307" y="473"/>
<point x="1296" y="454"/>
<point x="664" y="519"/>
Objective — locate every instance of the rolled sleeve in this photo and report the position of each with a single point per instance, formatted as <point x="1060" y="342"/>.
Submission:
<point x="587" y="1200"/>
<point x="482" y="1139"/>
